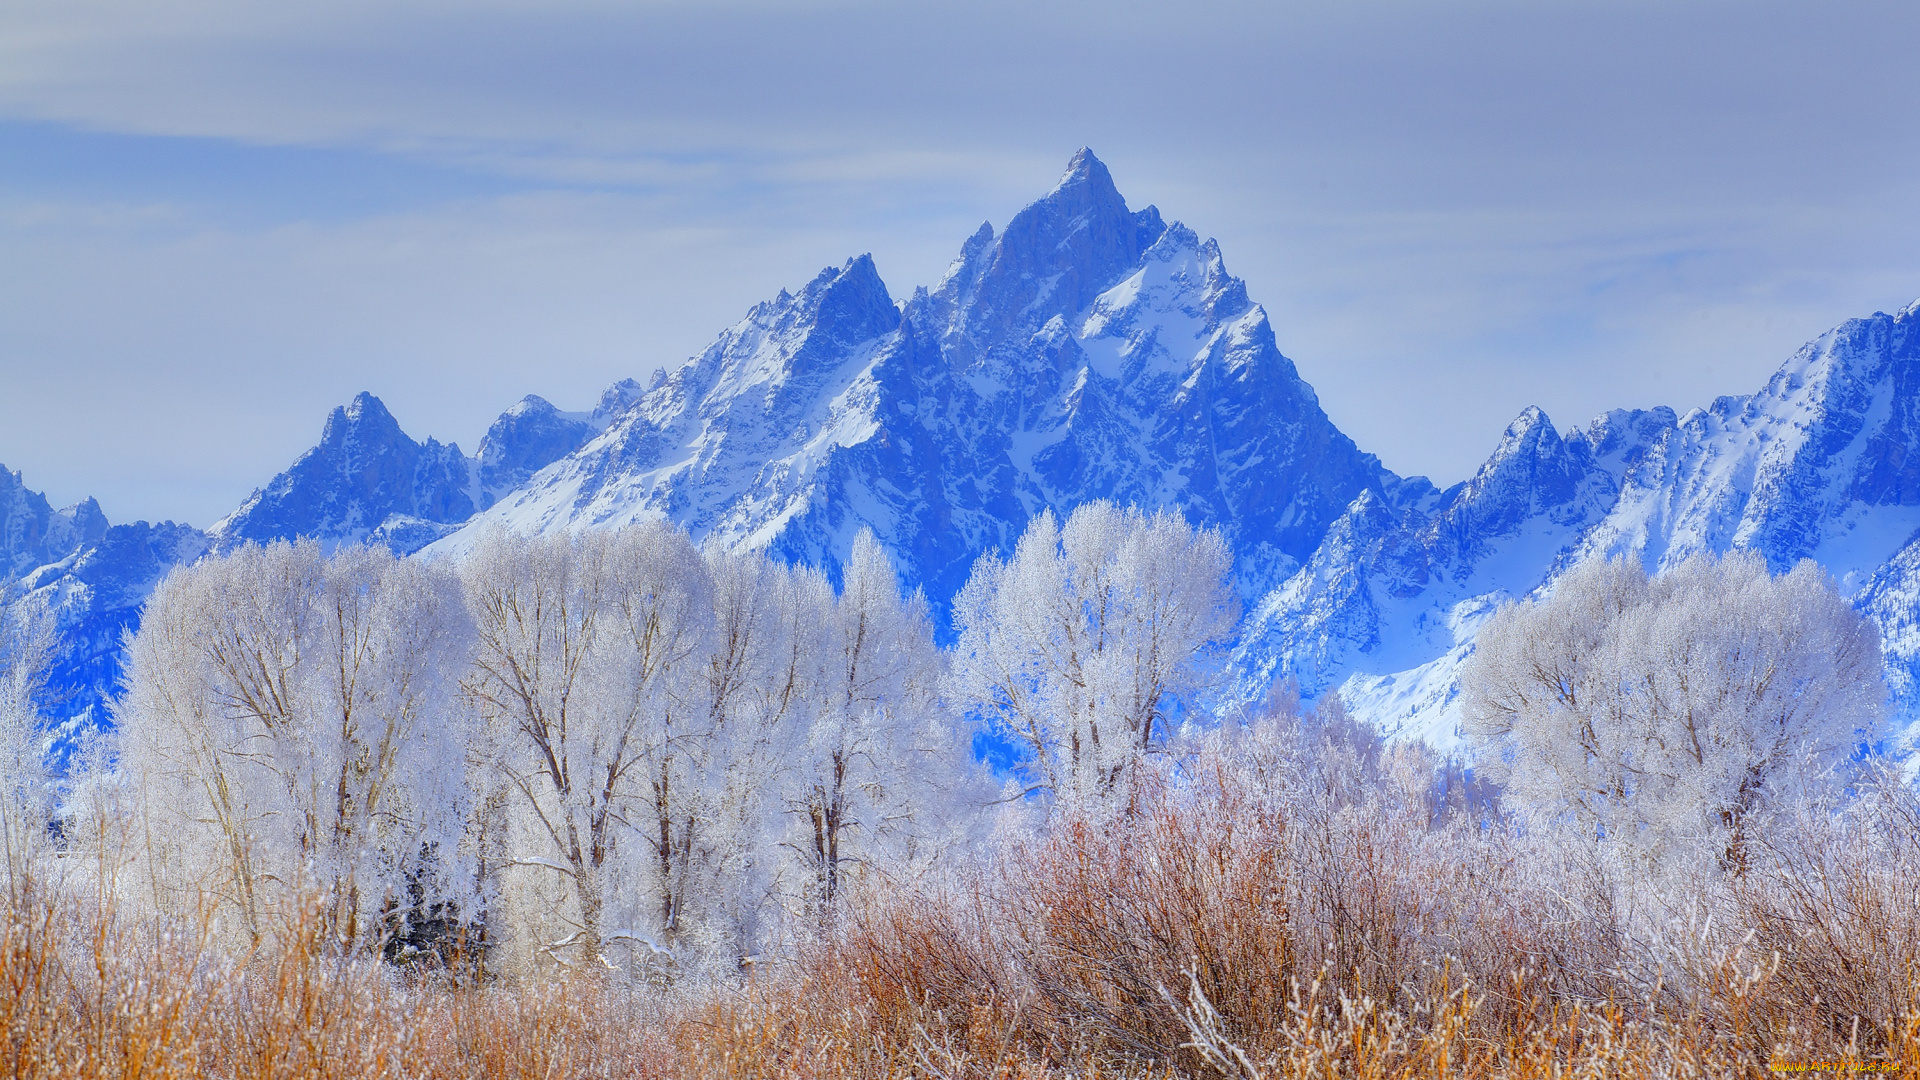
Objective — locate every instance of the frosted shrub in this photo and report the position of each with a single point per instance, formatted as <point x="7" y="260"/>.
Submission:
<point x="1673" y="710"/>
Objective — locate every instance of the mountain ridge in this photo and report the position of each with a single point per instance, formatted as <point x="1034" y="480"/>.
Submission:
<point x="1819" y="463"/>
<point x="1088" y="350"/>
<point x="1085" y="351"/>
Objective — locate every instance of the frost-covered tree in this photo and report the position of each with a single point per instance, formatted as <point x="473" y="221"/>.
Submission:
<point x="26" y="647"/>
<point x="542" y="611"/>
<point x="661" y="605"/>
<point x="624" y="675"/>
<point x="1079" y="644"/>
<point x="293" y="721"/>
<point x="876" y="761"/>
<point x="1676" y="707"/>
<point x="714" y="757"/>
<point x="760" y="673"/>
<point x="611" y="738"/>
<point x="692" y="739"/>
<point x="661" y="715"/>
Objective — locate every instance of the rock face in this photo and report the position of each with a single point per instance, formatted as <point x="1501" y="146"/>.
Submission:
<point x="533" y="434"/>
<point x="1086" y="351"/>
<point x="368" y="482"/>
<point x="96" y="594"/>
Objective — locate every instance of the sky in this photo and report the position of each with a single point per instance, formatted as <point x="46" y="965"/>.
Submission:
<point x="220" y="219"/>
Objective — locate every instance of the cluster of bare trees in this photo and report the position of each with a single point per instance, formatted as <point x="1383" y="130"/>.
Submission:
<point x="683" y="743"/>
<point x="608" y="749"/>
<point x="621" y="749"/>
<point x="292" y="725"/>
<point x="617" y="749"/>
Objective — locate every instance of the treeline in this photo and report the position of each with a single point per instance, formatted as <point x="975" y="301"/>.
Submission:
<point x="611" y="749"/>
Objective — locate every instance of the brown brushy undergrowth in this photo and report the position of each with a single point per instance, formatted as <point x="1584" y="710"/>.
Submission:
<point x="1245" y="914"/>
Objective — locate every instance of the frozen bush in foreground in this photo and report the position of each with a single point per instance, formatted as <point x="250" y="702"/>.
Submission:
<point x="1279" y="899"/>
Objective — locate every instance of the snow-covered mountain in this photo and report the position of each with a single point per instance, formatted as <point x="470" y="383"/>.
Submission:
<point x="1822" y="463"/>
<point x="1085" y="351"/>
<point x="33" y="533"/>
<point x="368" y="482"/>
<point x="96" y="594"/>
<point x="532" y="434"/>
<point x="366" y="479"/>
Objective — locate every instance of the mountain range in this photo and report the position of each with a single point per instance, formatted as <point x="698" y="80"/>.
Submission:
<point x="1088" y="351"/>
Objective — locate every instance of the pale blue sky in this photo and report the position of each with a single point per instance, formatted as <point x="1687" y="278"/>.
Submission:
<point x="220" y="219"/>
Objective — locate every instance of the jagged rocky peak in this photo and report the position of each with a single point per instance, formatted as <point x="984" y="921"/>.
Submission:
<point x="1085" y="351"/>
<point x="1826" y="455"/>
<point x="618" y="399"/>
<point x="1052" y="259"/>
<point x="533" y="434"/>
<point x="33" y="533"/>
<point x="528" y="437"/>
<point x="1888" y="471"/>
<point x="839" y="308"/>
<point x="1177" y="275"/>
<point x="1628" y="431"/>
<point x="121" y="566"/>
<point x="96" y="594"/>
<point x="1532" y="468"/>
<point x="24" y="519"/>
<point x="760" y="381"/>
<point x="364" y="471"/>
<point x="86" y="519"/>
<point x="94" y="577"/>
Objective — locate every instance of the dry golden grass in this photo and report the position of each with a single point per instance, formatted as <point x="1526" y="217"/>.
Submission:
<point x="1202" y="930"/>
